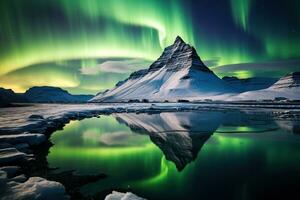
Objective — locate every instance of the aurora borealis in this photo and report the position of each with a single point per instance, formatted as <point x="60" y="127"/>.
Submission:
<point x="88" y="46"/>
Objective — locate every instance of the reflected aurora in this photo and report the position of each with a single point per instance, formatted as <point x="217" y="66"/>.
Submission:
<point x="142" y="167"/>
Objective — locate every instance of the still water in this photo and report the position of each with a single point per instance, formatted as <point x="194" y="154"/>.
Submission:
<point x="183" y="155"/>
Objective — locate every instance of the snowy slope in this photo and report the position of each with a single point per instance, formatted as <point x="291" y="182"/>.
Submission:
<point x="178" y="73"/>
<point x="250" y="84"/>
<point x="287" y="86"/>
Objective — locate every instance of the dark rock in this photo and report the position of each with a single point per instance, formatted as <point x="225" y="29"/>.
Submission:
<point x="19" y="179"/>
<point x="11" y="155"/>
<point x="3" y="182"/>
<point x="11" y="171"/>
<point x="36" y="117"/>
<point x="4" y="145"/>
<point x="29" y="138"/>
<point x="280" y="98"/>
<point x="73" y="182"/>
<point x="133" y="101"/>
<point x="182" y="101"/>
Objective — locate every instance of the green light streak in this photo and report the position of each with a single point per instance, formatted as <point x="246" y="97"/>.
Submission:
<point x="57" y="32"/>
<point x="104" y="153"/>
<point x="240" y="11"/>
<point x="282" y="47"/>
<point x="93" y="29"/>
<point x="165" y="165"/>
<point x="151" y="14"/>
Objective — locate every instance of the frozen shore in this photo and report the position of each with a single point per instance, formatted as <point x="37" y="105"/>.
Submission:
<point x="26" y="127"/>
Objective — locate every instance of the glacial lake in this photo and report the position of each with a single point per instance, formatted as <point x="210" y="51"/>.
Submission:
<point x="183" y="155"/>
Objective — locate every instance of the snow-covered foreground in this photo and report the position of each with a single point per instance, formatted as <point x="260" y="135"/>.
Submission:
<point x="24" y="127"/>
<point x="37" y="118"/>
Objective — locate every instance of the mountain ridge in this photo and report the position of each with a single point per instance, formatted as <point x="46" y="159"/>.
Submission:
<point x="177" y="73"/>
<point x="40" y="94"/>
<point x="48" y="94"/>
<point x="287" y="87"/>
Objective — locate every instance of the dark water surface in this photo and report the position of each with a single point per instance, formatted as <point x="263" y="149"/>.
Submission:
<point x="184" y="155"/>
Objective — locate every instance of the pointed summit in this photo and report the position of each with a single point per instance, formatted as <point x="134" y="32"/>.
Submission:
<point x="177" y="56"/>
<point x="179" y="45"/>
<point x="177" y="73"/>
<point x="179" y="40"/>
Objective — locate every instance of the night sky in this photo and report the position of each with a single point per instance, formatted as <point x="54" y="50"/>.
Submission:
<point x="86" y="46"/>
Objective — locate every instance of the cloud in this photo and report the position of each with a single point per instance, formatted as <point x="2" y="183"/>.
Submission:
<point x="212" y="63"/>
<point x="127" y="66"/>
<point x="271" y="68"/>
<point x="119" y="66"/>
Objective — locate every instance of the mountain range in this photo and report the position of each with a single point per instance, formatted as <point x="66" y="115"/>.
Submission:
<point x="48" y="94"/>
<point x="44" y="94"/>
<point x="287" y="87"/>
<point x="180" y="75"/>
<point x="7" y="96"/>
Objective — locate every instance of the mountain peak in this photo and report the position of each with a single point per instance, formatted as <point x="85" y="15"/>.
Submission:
<point x="177" y="56"/>
<point x="294" y="74"/>
<point x="291" y="80"/>
<point x="177" y="73"/>
<point x="179" y="40"/>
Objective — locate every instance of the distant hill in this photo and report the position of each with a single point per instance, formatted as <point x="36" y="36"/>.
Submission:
<point x="250" y="84"/>
<point x="46" y="94"/>
<point x="287" y="87"/>
<point x="8" y="96"/>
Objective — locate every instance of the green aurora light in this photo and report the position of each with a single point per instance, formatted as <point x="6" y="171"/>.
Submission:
<point x="53" y="35"/>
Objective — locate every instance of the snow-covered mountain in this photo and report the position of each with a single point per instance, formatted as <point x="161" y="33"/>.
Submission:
<point x="286" y="87"/>
<point x="46" y="94"/>
<point x="177" y="74"/>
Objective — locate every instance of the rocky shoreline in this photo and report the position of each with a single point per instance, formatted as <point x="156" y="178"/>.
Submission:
<point x="24" y="138"/>
<point x="24" y="144"/>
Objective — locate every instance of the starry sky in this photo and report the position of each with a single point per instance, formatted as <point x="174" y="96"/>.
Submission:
<point x="86" y="46"/>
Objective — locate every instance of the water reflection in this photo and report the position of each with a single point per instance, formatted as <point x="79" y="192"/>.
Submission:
<point x="180" y="136"/>
<point x="228" y="155"/>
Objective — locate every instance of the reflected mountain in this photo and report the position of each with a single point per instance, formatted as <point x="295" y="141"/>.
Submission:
<point x="207" y="154"/>
<point x="180" y="147"/>
<point x="181" y="135"/>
